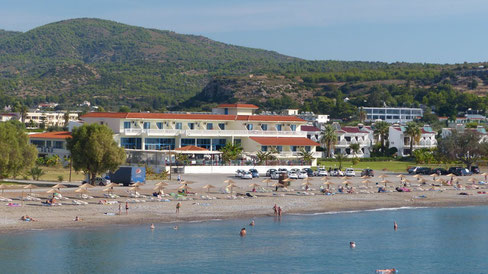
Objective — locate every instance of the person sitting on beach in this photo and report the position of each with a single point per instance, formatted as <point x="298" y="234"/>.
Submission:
<point x="27" y="218"/>
<point x="340" y="189"/>
<point x="77" y="219"/>
<point x="351" y="191"/>
<point x="381" y="189"/>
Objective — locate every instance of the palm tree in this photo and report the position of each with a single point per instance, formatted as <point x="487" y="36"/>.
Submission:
<point x="328" y="137"/>
<point x="66" y="118"/>
<point x="414" y="132"/>
<point x="381" y="130"/>
<point x="306" y="156"/>
<point x="23" y="113"/>
<point x="340" y="158"/>
<point x="231" y="152"/>
<point x="354" y="148"/>
<point x="362" y="115"/>
<point x="264" y="156"/>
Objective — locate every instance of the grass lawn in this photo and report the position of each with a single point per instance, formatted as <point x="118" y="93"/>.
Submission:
<point x="52" y="173"/>
<point x="394" y="166"/>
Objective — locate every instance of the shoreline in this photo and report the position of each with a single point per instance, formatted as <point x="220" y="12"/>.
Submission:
<point x="59" y="218"/>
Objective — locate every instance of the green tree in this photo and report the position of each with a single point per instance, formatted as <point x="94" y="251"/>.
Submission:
<point x="66" y="118"/>
<point x="381" y="130"/>
<point x="414" y="132"/>
<point x="94" y="151"/>
<point x="340" y="158"/>
<point x="472" y="125"/>
<point x="328" y="137"/>
<point x="264" y="157"/>
<point x="462" y="146"/>
<point x="124" y="109"/>
<point x="18" y="155"/>
<point x="306" y="156"/>
<point x="36" y="173"/>
<point x="355" y="148"/>
<point x="231" y="152"/>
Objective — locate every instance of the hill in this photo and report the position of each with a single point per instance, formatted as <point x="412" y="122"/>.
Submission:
<point x="112" y="64"/>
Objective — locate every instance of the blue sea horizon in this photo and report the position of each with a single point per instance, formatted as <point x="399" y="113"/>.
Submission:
<point x="428" y="240"/>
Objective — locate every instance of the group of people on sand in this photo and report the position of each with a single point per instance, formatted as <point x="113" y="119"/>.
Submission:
<point x="277" y="210"/>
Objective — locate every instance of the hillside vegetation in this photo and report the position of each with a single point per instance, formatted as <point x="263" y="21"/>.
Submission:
<point x="112" y="64"/>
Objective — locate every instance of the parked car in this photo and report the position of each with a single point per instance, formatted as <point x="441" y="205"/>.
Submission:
<point x="367" y="172"/>
<point x="246" y="175"/>
<point x="292" y="175"/>
<point x="423" y="170"/>
<point x="99" y="181"/>
<point x="475" y="169"/>
<point x="350" y="172"/>
<point x="309" y="171"/>
<point x="302" y="175"/>
<point x="296" y="170"/>
<point x="412" y="170"/>
<point x="336" y="172"/>
<point x="268" y="173"/>
<point x="254" y="173"/>
<point x="283" y="169"/>
<point x="239" y="172"/>
<point x="459" y="171"/>
<point x="440" y="171"/>
<point x="275" y="175"/>
<point x="322" y="172"/>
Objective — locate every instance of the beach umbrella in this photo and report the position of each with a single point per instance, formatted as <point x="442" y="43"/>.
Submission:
<point x="3" y="187"/>
<point x="30" y="187"/>
<point x="485" y="174"/>
<point x="161" y="184"/>
<point x="287" y="180"/>
<point x="208" y="187"/>
<point x="382" y="176"/>
<point x="112" y="185"/>
<point x="81" y="190"/>
<point x="347" y="182"/>
<point x="229" y="181"/>
<point x="472" y="180"/>
<point x="366" y="182"/>
<point x="306" y="184"/>
<point x="134" y="188"/>
<point x="450" y="175"/>
<point x="328" y="183"/>
<point x="87" y="185"/>
<point x="278" y="184"/>
<point x="231" y="186"/>
<point x="385" y="182"/>
<point x="440" y="180"/>
<point x="266" y="181"/>
<point x="185" y="182"/>
<point x="365" y="177"/>
<point x="417" y="176"/>
<point x="137" y="184"/>
<point x="159" y="189"/>
<point x="58" y="186"/>
<point x="254" y="185"/>
<point x="51" y="191"/>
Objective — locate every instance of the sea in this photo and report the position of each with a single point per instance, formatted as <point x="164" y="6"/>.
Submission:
<point x="428" y="240"/>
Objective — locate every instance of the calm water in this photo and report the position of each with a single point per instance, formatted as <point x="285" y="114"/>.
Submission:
<point x="438" y="240"/>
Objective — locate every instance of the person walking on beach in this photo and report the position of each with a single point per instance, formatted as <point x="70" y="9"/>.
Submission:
<point x="178" y="178"/>
<point x="275" y="208"/>
<point x="395" y="226"/>
<point x="120" y="209"/>
<point x="126" y="208"/>
<point x="178" y="205"/>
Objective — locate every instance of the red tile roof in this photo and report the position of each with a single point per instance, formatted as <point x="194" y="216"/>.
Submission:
<point x="310" y="128"/>
<point x="191" y="148"/>
<point x="284" y="141"/>
<point x="237" y="106"/>
<point x="183" y="116"/>
<point x="352" y="130"/>
<point x="52" y="135"/>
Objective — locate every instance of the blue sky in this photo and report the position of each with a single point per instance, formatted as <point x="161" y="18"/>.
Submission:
<point x="435" y="31"/>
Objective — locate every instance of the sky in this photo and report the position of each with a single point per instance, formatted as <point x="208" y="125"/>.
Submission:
<point x="425" y="31"/>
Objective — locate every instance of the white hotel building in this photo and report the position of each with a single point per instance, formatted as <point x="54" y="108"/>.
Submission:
<point x="393" y="115"/>
<point x="150" y="137"/>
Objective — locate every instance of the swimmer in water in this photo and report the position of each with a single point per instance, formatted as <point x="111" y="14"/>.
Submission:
<point x="352" y="244"/>
<point x="252" y="223"/>
<point x="243" y="232"/>
<point x="395" y="226"/>
<point x="152" y="226"/>
<point x="175" y="227"/>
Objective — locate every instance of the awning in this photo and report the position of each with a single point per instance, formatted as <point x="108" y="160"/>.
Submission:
<point x="284" y="141"/>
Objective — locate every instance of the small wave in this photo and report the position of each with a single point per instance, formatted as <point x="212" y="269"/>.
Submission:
<point x="356" y="211"/>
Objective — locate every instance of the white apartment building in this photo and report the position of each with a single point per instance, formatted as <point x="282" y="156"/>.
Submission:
<point x="461" y="128"/>
<point x="51" y="143"/>
<point x="393" y="115"/>
<point x="50" y="118"/>
<point x="348" y="135"/>
<point x="152" y="136"/>
<point x="401" y="142"/>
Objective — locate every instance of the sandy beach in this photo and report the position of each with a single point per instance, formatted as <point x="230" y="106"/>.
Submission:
<point x="222" y="206"/>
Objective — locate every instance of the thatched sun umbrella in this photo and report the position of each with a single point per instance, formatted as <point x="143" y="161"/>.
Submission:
<point x="229" y="181"/>
<point x="161" y="184"/>
<point x="472" y="180"/>
<point x="30" y="187"/>
<point x="266" y="181"/>
<point x="367" y="182"/>
<point x="486" y="175"/>
<point x="137" y="184"/>
<point x="347" y="182"/>
<point x="3" y="187"/>
<point x="231" y="186"/>
<point x="87" y="185"/>
<point x="254" y="185"/>
<point x="385" y="182"/>
<point x="434" y="175"/>
<point x="328" y="183"/>
<point x="58" y="186"/>
<point x="81" y="190"/>
<point x="208" y="187"/>
<point x="383" y="176"/>
<point x="51" y="191"/>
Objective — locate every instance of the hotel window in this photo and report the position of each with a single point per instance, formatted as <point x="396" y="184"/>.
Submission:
<point x="222" y="126"/>
<point x="187" y="142"/>
<point x="237" y="142"/>
<point x="279" y="148"/>
<point x="209" y="126"/>
<point x="249" y="126"/>
<point x="131" y="143"/>
<point x="226" y="111"/>
<point x="178" y="126"/>
<point x="58" y="144"/>
<point x="205" y="143"/>
<point x="279" y="127"/>
<point x="147" y="125"/>
<point x="217" y="144"/>
<point x="126" y="125"/>
<point x="293" y="148"/>
<point x="159" y="143"/>
<point x="159" y="125"/>
<point x="264" y="127"/>
<point x="307" y="148"/>
<point x="293" y="127"/>
<point x="191" y="125"/>
<point x="264" y="148"/>
<point x="38" y="143"/>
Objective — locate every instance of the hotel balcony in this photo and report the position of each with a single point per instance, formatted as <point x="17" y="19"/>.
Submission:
<point x="211" y="133"/>
<point x="346" y="144"/>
